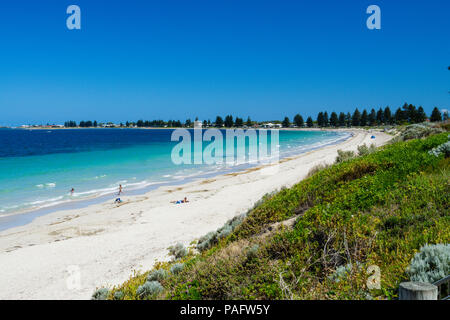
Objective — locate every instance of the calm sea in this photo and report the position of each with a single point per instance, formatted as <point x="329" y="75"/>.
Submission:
<point x="38" y="168"/>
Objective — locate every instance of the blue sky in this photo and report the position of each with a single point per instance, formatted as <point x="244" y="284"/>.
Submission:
<point x="181" y="59"/>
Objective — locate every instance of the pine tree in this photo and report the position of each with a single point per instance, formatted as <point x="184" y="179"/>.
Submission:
<point x="398" y="116"/>
<point x="326" y="122"/>
<point x="348" y="119"/>
<point x="411" y="114"/>
<point x="380" y="119"/>
<point x="309" y="122"/>
<point x="298" y="120"/>
<point x="356" y="118"/>
<point x="249" y="122"/>
<point x="286" y="123"/>
<point x="421" y="115"/>
<point x="320" y="121"/>
<point x="229" y="121"/>
<point x="405" y="113"/>
<point x="372" y="118"/>
<point x="341" y="119"/>
<point x="387" y="115"/>
<point x="219" y="122"/>
<point x="334" y="121"/>
<point x="364" y="118"/>
<point x="435" y="115"/>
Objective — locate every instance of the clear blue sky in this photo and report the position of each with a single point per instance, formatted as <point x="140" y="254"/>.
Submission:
<point x="177" y="59"/>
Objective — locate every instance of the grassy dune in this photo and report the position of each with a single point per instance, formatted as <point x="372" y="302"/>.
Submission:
<point x="317" y="239"/>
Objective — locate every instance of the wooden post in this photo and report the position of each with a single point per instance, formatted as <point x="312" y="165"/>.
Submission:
<point x="417" y="291"/>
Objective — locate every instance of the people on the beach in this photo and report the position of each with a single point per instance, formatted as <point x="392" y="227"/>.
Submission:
<point x="118" y="200"/>
<point x="72" y="191"/>
<point x="185" y="200"/>
<point x="120" y="189"/>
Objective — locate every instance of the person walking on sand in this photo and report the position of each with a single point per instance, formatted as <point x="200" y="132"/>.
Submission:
<point x="120" y="189"/>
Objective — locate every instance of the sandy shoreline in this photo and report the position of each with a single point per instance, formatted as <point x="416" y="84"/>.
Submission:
<point x="106" y="242"/>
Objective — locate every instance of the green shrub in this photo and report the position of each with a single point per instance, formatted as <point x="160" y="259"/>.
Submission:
<point x="252" y="251"/>
<point x="417" y="131"/>
<point x="118" y="295"/>
<point x="441" y="149"/>
<point x="178" y="251"/>
<point x="343" y="272"/>
<point x="157" y="275"/>
<point x="100" y="294"/>
<point x="316" y="169"/>
<point x="212" y="238"/>
<point x="149" y="288"/>
<point x="430" y="264"/>
<point x="206" y="241"/>
<point x="344" y="155"/>
<point x="177" y="268"/>
<point x="364" y="150"/>
<point x="224" y="232"/>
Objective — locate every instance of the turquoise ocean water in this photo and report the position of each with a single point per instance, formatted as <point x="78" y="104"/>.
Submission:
<point x="38" y="168"/>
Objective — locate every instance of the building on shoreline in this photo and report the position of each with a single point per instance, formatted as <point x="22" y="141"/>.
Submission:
<point x="197" y="124"/>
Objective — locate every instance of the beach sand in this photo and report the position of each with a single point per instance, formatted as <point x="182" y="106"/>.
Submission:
<point x="102" y="244"/>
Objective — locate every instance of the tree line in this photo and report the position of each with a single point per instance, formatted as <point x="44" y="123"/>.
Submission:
<point x="408" y="113"/>
<point x="228" y="121"/>
<point x="404" y="115"/>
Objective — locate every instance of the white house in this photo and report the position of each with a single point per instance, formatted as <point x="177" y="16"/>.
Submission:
<point x="197" y="124"/>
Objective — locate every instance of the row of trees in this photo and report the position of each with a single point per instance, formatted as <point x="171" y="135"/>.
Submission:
<point x="228" y="122"/>
<point x="82" y="124"/>
<point x="406" y="114"/>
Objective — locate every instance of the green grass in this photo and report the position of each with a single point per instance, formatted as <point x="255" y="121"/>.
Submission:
<point x="378" y="209"/>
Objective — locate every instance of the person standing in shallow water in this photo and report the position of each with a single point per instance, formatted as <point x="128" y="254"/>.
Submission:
<point x="120" y="189"/>
<point x="72" y="191"/>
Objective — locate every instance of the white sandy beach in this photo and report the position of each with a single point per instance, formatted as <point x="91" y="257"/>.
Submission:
<point x="106" y="242"/>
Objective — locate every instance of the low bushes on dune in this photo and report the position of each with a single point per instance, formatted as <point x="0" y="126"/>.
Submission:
<point x="417" y="131"/>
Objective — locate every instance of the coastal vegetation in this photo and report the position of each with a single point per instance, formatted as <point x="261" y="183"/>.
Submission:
<point x="380" y="209"/>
